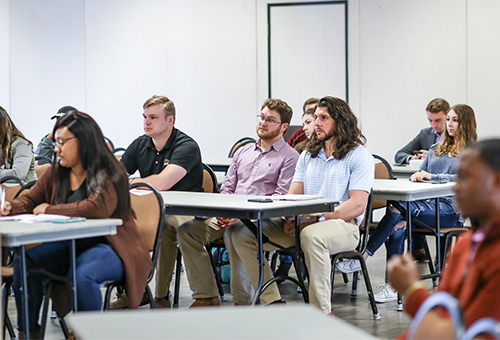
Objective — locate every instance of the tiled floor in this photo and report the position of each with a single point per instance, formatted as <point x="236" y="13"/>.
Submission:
<point x="356" y="311"/>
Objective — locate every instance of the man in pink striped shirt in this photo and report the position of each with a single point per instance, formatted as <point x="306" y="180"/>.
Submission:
<point x="263" y="168"/>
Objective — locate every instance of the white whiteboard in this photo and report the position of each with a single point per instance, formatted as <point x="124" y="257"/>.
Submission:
<point x="307" y="52"/>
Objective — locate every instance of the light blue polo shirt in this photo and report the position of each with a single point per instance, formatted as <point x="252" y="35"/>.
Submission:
<point x="334" y="178"/>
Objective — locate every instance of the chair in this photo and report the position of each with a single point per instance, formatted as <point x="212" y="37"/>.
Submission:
<point x="209" y="180"/>
<point x="12" y="185"/>
<point x="439" y="299"/>
<point x="40" y="169"/>
<point x="150" y="216"/>
<point x="446" y="234"/>
<point x="239" y="143"/>
<point x="110" y="144"/>
<point x="357" y="255"/>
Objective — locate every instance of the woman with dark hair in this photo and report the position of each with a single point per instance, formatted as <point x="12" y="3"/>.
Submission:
<point x="16" y="154"/>
<point x="439" y="165"/>
<point x="86" y="181"/>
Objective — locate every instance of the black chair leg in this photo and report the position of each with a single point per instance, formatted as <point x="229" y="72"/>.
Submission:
<point x="107" y="297"/>
<point x="177" y="279"/>
<point x="274" y="260"/>
<point x="369" y="289"/>
<point x="6" y="319"/>
<point x="45" y="308"/>
<point x="354" y="289"/>
<point x="64" y="328"/>
<point x="300" y="277"/>
<point x="430" y="262"/>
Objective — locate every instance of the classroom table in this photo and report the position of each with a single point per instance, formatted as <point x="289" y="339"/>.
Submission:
<point x="396" y="191"/>
<point x="238" y="206"/>
<point x="404" y="171"/>
<point x="243" y="322"/>
<point x="16" y="234"/>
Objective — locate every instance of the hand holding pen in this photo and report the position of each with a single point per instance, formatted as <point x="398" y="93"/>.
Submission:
<point x="5" y="207"/>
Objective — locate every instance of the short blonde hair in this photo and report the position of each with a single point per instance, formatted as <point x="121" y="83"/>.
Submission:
<point x="168" y="105"/>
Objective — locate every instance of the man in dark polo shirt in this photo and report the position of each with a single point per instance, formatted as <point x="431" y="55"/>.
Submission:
<point x="168" y="159"/>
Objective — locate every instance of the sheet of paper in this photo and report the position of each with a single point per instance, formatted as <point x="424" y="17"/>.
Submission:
<point x="31" y="218"/>
<point x="296" y="197"/>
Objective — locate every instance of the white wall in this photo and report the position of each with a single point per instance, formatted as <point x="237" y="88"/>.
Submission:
<point x="4" y="55"/>
<point x="411" y="52"/>
<point x="107" y="57"/>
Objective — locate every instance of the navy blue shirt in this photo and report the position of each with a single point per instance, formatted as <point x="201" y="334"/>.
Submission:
<point x="180" y="150"/>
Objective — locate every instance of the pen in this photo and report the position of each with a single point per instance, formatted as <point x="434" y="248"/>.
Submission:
<point x="3" y="199"/>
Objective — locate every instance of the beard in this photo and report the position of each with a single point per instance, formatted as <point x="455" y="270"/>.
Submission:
<point x="327" y="136"/>
<point x="269" y="134"/>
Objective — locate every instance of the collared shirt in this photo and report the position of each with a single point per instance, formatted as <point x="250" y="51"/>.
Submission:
<point x="334" y="178"/>
<point x="180" y="149"/>
<point x="438" y="137"/>
<point x="257" y="172"/>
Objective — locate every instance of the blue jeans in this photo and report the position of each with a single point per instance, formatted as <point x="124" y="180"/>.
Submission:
<point x="94" y="265"/>
<point x="423" y="211"/>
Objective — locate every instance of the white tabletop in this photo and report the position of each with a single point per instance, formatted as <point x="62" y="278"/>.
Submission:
<point x="400" y="190"/>
<point x="404" y="171"/>
<point x="271" y="322"/>
<point x="237" y="206"/>
<point x="16" y="234"/>
<point x="217" y="161"/>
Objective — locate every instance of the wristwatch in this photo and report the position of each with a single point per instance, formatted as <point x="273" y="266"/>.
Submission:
<point x="321" y="218"/>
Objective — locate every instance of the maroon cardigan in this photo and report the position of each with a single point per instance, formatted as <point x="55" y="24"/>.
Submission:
<point x="127" y="242"/>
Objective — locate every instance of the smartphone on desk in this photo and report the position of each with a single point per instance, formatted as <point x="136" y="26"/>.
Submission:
<point x="70" y="220"/>
<point x="260" y="200"/>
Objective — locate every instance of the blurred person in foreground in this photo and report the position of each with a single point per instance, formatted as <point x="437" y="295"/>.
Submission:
<point x="471" y="274"/>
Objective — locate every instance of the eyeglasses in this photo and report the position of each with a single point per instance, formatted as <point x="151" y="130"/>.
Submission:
<point x="61" y="142"/>
<point x="269" y="121"/>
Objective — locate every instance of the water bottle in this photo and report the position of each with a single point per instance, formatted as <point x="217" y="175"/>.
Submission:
<point x="225" y="270"/>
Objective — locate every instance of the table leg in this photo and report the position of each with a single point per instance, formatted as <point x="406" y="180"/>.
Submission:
<point x="260" y="258"/>
<point x="408" y="227"/>
<point x="438" y="238"/>
<point x="24" y="295"/>
<point x="73" y="275"/>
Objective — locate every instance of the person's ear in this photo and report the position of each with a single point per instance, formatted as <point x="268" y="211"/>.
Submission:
<point x="284" y="126"/>
<point x="495" y="183"/>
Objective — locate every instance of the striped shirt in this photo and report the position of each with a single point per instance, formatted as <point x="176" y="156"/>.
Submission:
<point x="257" y="172"/>
<point x="334" y="178"/>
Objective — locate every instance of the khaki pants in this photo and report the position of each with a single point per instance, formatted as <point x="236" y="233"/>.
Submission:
<point x="193" y="235"/>
<point x="318" y="241"/>
<point x="168" y="254"/>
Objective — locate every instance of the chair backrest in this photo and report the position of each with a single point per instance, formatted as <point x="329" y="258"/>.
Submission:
<point x="439" y="299"/>
<point x="109" y="143"/>
<point x="364" y="227"/>
<point x="25" y="188"/>
<point x="209" y="179"/>
<point x="12" y="186"/>
<point x="118" y="152"/>
<point x="40" y="169"/>
<point x="383" y="170"/>
<point x="239" y="143"/>
<point x="149" y="217"/>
